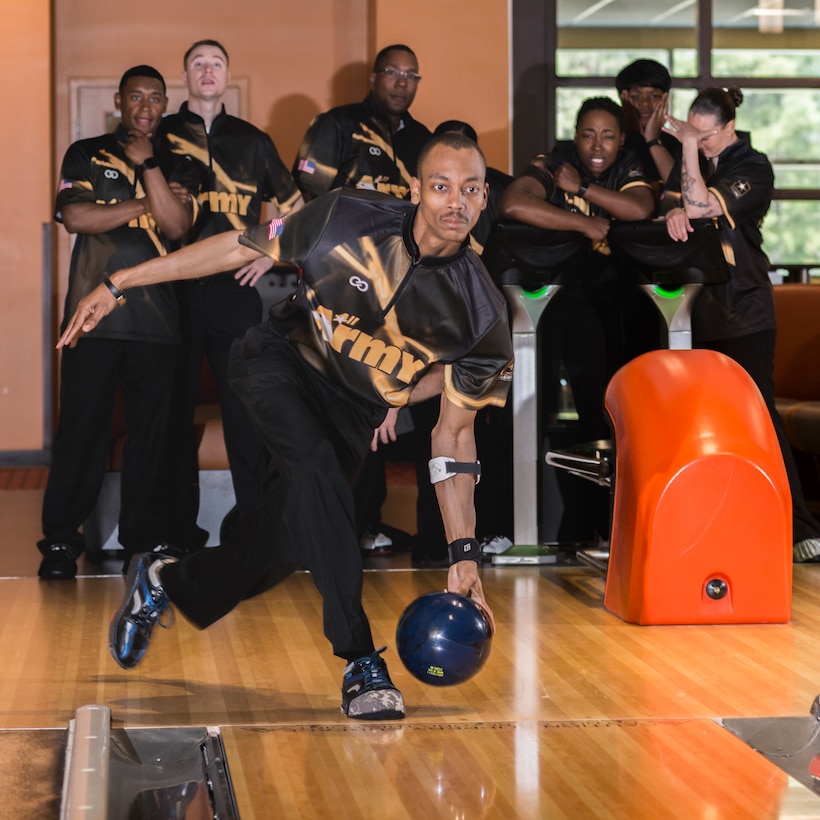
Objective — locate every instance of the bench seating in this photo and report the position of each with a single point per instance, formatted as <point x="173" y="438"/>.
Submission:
<point x="797" y="378"/>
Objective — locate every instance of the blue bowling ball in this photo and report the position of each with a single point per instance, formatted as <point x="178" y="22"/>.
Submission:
<point x="443" y="638"/>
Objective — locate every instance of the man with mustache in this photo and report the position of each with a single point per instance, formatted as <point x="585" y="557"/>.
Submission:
<point x="393" y="307"/>
<point x="372" y="145"/>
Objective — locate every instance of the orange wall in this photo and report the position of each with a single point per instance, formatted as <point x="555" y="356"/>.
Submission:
<point x="298" y="59"/>
<point x="25" y="176"/>
<point x="463" y="51"/>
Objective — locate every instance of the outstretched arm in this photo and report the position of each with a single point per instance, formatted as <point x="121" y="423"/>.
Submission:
<point x="217" y="253"/>
<point x="454" y="437"/>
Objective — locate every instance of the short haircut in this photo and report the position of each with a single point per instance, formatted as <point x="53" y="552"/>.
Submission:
<point x="456" y="127"/>
<point x="601" y="104"/>
<point x="197" y="44"/>
<point x="643" y="74"/>
<point x="141" y="71"/>
<point x="381" y="57"/>
<point x="449" y="139"/>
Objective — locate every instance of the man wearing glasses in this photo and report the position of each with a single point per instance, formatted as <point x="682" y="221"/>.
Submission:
<point x="373" y="144"/>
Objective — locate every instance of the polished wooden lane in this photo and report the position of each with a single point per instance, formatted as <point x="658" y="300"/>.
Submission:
<point x="612" y="769"/>
<point x="556" y="656"/>
<point x="575" y="714"/>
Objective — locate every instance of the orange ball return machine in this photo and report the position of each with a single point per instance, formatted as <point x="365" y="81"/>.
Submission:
<point x="701" y="514"/>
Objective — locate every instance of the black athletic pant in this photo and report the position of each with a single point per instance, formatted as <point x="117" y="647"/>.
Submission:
<point x="318" y="435"/>
<point x="755" y="353"/>
<point x="89" y="376"/>
<point x="214" y="313"/>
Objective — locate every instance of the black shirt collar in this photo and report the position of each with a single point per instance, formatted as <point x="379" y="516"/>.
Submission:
<point x="190" y="116"/>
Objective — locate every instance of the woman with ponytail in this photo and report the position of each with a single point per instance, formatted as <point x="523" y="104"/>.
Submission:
<point x="720" y="176"/>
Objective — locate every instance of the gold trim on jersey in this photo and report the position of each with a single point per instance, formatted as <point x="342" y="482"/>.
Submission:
<point x="232" y="202"/>
<point x="145" y="222"/>
<point x="722" y="201"/>
<point x="116" y="164"/>
<point x="369" y="263"/>
<point x="465" y="402"/>
<point x="362" y="347"/>
<point x="636" y="183"/>
<point x="371" y="137"/>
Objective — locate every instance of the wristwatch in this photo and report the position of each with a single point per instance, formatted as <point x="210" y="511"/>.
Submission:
<point x="650" y="143"/>
<point x="150" y="162"/>
<point x="115" y="291"/>
<point x="582" y="189"/>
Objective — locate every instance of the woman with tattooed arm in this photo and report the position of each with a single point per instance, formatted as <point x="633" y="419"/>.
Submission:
<point x="721" y="176"/>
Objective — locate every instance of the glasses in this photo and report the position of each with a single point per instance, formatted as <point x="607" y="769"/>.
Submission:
<point x="395" y="74"/>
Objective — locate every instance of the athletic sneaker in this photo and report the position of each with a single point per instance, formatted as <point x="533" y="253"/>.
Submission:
<point x="375" y="544"/>
<point x="807" y="551"/>
<point x="495" y="545"/>
<point x="59" y="562"/>
<point x="165" y="550"/>
<point x="367" y="691"/>
<point x="142" y="608"/>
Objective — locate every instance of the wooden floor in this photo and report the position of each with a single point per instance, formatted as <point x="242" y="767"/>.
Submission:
<point x="576" y="714"/>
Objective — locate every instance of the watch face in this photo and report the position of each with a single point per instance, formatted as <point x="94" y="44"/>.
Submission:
<point x="151" y="162"/>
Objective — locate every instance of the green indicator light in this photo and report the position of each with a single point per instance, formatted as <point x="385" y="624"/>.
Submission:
<point x="535" y="294"/>
<point x="666" y="293"/>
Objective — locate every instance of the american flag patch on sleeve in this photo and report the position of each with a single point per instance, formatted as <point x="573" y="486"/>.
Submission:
<point x="307" y="165"/>
<point x="64" y="185"/>
<point x="275" y="227"/>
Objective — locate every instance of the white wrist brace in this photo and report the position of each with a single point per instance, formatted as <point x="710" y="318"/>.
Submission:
<point x="443" y="467"/>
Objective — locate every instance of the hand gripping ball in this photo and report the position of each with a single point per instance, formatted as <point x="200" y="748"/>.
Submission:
<point x="443" y="638"/>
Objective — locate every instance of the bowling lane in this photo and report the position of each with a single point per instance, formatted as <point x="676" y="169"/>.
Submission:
<point x="574" y="707"/>
<point x="613" y="769"/>
<point x="557" y="655"/>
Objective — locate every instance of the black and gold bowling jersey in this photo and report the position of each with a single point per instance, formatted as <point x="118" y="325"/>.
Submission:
<point x="352" y="146"/>
<point x="625" y="173"/>
<point x="374" y="316"/>
<point x="743" y="183"/>
<point x="96" y="170"/>
<point x="241" y="168"/>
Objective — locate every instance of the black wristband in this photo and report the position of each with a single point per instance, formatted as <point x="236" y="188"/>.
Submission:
<point x="115" y="291"/>
<point x="655" y="141"/>
<point x="582" y="189"/>
<point x="464" y="549"/>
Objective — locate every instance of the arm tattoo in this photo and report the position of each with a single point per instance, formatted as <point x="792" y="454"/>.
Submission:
<point x="687" y="183"/>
